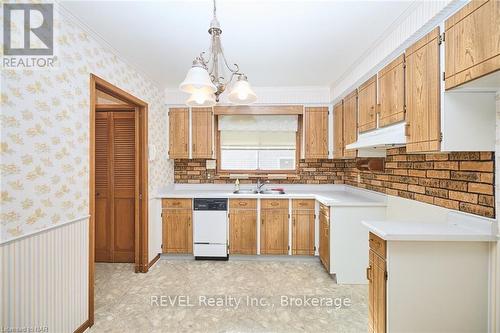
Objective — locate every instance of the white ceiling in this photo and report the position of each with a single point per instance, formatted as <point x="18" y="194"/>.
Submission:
<point x="276" y="43"/>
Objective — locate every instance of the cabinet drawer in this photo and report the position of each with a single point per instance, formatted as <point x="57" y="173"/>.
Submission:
<point x="378" y="245"/>
<point x="243" y="203"/>
<point x="302" y="204"/>
<point x="274" y="203"/>
<point x="325" y="210"/>
<point x="177" y="203"/>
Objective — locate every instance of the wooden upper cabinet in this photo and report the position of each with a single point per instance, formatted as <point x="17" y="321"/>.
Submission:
<point x="367" y="99"/>
<point x="423" y="127"/>
<point x="350" y="123"/>
<point x="178" y="133"/>
<point x="472" y="42"/>
<point x="391" y="89"/>
<point x="316" y="132"/>
<point x="338" y="130"/>
<point x="202" y="132"/>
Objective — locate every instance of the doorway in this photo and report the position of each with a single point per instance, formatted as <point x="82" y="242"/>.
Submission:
<point x="118" y="187"/>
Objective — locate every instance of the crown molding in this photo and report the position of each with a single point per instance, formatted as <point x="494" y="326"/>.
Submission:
<point x="68" y="15"/>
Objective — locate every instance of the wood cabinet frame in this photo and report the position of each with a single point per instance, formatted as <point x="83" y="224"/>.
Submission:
<point x="141" y="197"/>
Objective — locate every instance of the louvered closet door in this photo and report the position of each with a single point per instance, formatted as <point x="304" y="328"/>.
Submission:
<point x="123" y="166"/>
<point x="102" y="188"/>
<point x="115" y="183"/>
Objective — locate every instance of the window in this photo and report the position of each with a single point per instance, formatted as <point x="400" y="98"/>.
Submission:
<point x="258" y="143"/>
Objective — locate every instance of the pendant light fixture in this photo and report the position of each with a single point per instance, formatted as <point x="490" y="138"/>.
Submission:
<point x="205" y="80"/>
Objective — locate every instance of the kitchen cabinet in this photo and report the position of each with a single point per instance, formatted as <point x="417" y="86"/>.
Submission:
<point x="472" y="47"/>
<point x="243" y="226"/>
<point x="435" y="274"/>
<point x="202" y="120"/>
<point x="350" y="123"/>
<point x="324" y="236"/>
<point x="274" y="226"/>
<point x="391" y="85"/>
<point x="338" y="130"/>
<point x="367" y="103"/>
<point x="376" y="274"/>
<point x="303" y="217"/>
<point x="316" y="132"/>
<point x="177" y="226"/>
<point x="423" y="127"/>
<point x="178" y="133"/>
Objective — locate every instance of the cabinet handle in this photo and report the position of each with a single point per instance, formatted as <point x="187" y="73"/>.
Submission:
<point x="262" y="221"/>
<point x="194" y="147"/>
<point x="368" y="271"/>
<point x="293" y="222"/>
<point x="242" y="203"/>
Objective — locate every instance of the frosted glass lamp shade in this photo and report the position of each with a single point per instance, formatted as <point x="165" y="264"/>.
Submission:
<point x="201" y="98"/>
<point x="241" y="92"/>
<point x="197" y="78"/>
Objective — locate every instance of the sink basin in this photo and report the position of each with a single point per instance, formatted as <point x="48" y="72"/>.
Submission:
<point x="272" y="192"/>
<point x="245" y="192"/>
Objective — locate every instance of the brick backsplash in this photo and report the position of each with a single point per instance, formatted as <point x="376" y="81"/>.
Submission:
<point x="309" y="172"/>
<point x="462" y="181"/>
<point x="459" y="180"/>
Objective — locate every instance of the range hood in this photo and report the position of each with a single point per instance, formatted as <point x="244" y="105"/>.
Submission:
<point x="381" y="139"/>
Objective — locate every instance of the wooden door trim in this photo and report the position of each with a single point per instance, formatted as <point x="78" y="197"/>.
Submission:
<point x="141" y="224"/>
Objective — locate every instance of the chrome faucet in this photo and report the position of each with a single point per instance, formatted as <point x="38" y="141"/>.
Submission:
<point x="261" y="185"/>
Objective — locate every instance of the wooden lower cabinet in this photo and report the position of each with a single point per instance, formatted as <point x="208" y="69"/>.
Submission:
<point x="274" y="226"/>
<point x="376" y="274"/>
<point x="242" y="226"/>
<point x="303" y="227"/>
<point x="324" y="237"/>
<point x="177" y="226"/>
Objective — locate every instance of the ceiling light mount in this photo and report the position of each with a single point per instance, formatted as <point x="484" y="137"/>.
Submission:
<point x="206" y="75"/>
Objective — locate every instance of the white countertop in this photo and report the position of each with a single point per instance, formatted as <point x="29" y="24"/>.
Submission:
<point x="330" y="195"/>
<point x="458" y="227"/>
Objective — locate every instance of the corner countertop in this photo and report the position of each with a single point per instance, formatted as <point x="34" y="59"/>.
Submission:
<point x="330" y="195"/>
<point x="457" y="227"/>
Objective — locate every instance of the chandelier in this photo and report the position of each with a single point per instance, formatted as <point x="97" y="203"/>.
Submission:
<point x="205" y="80"/>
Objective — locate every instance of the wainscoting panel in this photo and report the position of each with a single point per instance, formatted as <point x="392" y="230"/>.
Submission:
<point x="45" y="279"/>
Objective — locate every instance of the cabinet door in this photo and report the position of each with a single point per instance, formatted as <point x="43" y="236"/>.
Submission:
<point x="423" y="95"/>
<point x="243" y="231"/>
<point x="472" y="47"/>
<point x="350" y="123"/>
<point x="391" y="88"/>
<point x="177" y="231"/>
<point x="316" y="132"/>
<point x="303" y="232"/>
<point x="367" y="99"/>
<point x="371" y="292"/>
<point x="377" y="293"/>
<point x="338" y="130"/>
<point x="274" y="231"/>
<point x="178" y="133"/>
<point x="324" y="241"/>
<point x="202" y="132"/>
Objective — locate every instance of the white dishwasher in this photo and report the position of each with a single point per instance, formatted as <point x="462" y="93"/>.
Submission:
<point x="210" y="228"/>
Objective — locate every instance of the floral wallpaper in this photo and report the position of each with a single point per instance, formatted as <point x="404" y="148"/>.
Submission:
<point x="44" y="164"/>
